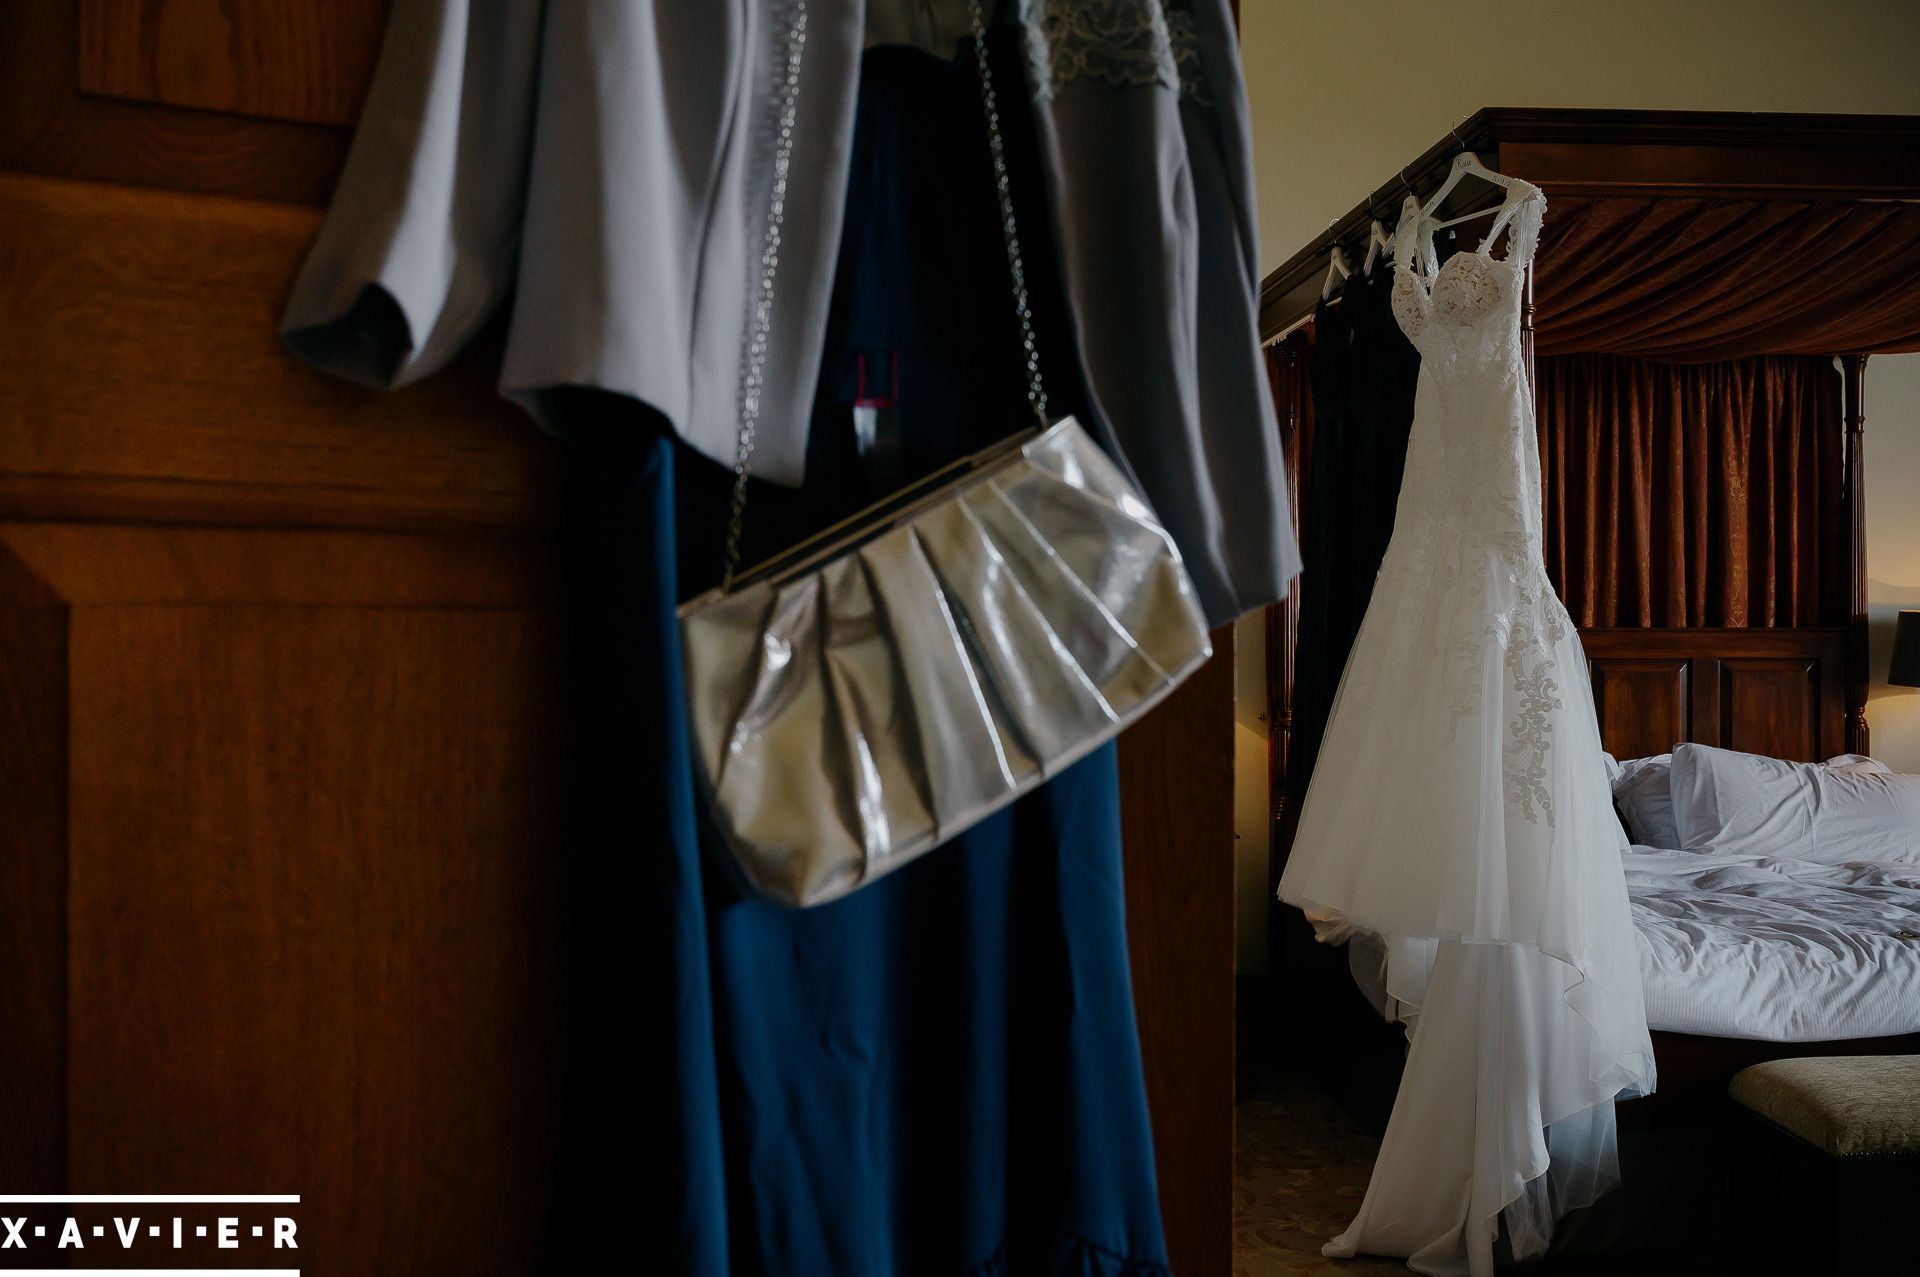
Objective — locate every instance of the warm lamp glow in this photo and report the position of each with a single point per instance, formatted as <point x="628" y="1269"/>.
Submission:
<point x="1904" y="669"/>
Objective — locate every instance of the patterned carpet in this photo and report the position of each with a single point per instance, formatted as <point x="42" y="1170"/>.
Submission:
<point x="1300" y="1170"/>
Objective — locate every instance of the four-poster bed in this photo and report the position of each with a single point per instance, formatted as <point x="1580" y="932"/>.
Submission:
<point x="1745" y="265"/>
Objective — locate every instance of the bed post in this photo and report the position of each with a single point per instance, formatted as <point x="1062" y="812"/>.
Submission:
<point x="1285" y="371"/>
<point x="1854" y="495"/>
<point x="1526" y="337"/>
<point x="1287" y="364"/>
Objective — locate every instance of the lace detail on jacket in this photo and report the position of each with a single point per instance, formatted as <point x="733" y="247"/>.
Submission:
<point x="1123" y="42"/>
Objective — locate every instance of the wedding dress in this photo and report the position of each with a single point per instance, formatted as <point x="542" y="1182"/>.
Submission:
<point x="1461" y="812"/>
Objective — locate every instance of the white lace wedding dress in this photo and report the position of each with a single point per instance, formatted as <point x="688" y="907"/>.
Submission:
<point x="1460" y="810"/>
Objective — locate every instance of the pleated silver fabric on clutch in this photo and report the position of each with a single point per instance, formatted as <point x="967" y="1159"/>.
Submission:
<point x="904" y="681"/>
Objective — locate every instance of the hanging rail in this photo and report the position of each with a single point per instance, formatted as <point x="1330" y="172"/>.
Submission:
<point x="1289" y="293"/>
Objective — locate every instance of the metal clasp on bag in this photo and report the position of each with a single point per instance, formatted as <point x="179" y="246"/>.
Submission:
<point x="886" y="514"/>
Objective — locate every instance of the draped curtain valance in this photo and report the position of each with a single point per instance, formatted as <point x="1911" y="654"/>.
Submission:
<point x="1692" y="280"/>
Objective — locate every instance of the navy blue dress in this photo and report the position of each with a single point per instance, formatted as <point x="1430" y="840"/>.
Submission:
<point x="939" y="1074"/>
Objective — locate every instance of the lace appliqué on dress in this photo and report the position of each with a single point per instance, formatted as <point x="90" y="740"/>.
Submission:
<point x="1525" y="635"/>
<point x="1481" y="468"/>
<point x="1530" y="670"/>
<point x="1124" y="42"/>
<point x="1409" y="306"/>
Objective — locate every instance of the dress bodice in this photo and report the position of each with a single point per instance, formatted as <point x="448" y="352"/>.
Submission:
<point x="1464" y="317"/>
<point x="1472" y="460"/>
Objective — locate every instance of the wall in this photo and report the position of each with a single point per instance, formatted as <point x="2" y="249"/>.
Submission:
<point x="1342" y="94"/>
<point x="1252" y="824"/>
<point x="1893" y="546"/>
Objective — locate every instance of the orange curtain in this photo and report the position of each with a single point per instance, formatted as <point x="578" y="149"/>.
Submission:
<point x="1693" y="494"/>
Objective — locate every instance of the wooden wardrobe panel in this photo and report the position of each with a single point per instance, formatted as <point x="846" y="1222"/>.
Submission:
<point x="313" y="884"/>
<point x="49" y="125"/>
<point x="1176" y="804"/>
<point x="123" y="564"/>
<point x="307" y="60"/>
<point x="284" y="852"/>
<point x="1644" y="706"/>
<point x="33" y="875"/>
<point x="1772" y="707"/>
<point x="142" y="352"/>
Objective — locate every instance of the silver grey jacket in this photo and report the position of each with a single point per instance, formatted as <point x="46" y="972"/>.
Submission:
<point x="604" y="163"/>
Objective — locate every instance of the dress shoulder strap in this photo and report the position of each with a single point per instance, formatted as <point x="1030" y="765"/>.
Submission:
<point x="1524" y="211"/>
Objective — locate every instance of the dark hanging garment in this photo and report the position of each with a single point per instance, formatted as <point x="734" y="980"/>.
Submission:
<point x="1320" y="548"/>
<point x="1392" y="373"/>
<point x="593" y="174"/>
<point x="939" y="1073"/>
<point x="1362" y="371"/>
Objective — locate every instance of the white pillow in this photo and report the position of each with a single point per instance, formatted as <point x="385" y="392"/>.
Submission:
<point x="1856" y="763"/>
<point x="1748" y="804"/>
<point x="1644" y="800"/>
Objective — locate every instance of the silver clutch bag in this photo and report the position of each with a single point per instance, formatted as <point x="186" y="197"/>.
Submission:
<point x="871" y="692"/>
<point x="865" y="697"/>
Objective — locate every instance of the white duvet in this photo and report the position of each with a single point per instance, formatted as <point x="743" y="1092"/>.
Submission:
<point x="1739" y="946"/>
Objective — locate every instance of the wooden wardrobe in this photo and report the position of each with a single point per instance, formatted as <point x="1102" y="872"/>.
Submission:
<point x="281" y="825"/>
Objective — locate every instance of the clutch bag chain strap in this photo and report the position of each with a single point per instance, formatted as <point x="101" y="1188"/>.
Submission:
<point x="869" y="693"/>
<point x="760" y="316"/>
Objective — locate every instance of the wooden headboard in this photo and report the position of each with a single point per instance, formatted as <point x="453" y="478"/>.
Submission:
<point x="1783" y="692"/>
<point x="1763" y="691"/>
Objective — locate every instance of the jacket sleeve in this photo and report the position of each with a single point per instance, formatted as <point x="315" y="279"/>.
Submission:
<point x="1152" y="206"/>
<point x="420" y="243"/>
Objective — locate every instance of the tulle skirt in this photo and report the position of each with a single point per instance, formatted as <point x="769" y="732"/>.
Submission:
<point x="1460" y="810"/>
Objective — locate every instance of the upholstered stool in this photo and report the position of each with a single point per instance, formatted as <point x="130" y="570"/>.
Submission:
<point x="1826" y="1165"/>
